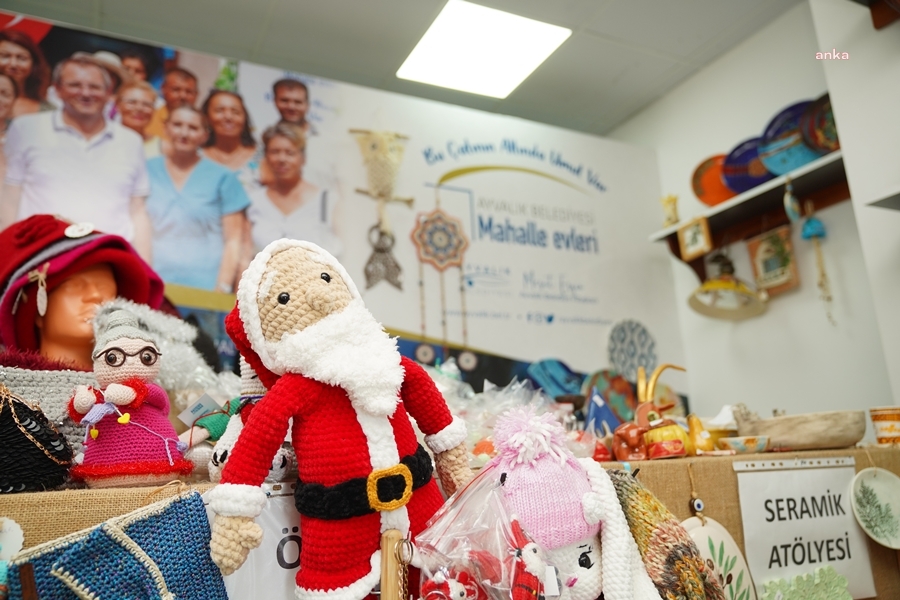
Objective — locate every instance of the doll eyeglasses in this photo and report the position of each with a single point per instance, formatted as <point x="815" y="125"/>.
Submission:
<point x="115" y="357"/>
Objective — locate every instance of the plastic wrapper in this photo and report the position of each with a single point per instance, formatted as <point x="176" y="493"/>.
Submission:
<point x="473" y="549"/>
<point x="448" y="379"/>
<point x="482" y="410"/>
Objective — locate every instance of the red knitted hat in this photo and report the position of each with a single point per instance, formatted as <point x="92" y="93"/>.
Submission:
<point x="234" y="327"/>
<point x="59" y="249"/>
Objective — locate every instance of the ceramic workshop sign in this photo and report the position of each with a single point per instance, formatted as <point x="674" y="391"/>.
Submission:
<point x="797" y="517"/>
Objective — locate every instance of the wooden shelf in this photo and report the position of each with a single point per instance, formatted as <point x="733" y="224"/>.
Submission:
<point x="761" y="209"/>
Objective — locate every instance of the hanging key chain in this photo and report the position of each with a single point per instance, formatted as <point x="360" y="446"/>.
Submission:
<point x="404" y="552"/>
<point x="381" y="264"/>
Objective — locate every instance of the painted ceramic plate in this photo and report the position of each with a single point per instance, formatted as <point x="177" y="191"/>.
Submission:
<point x="875" y="498"/>
<point x="782" y="148"/>
<point x="707" y="181"/>
<point x="631" y="346"/>
<point x="742" y="169"/>
<point x="817" y="126"/>
<point x="723" y="556"/>
<point x="618" y="393"/>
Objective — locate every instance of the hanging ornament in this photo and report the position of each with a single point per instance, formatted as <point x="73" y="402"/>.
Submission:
<point x="382" y="153"/>
<point x="727" y="297"/>
<point x="440" y="241"/>
<point x="791" y="204"/>
<point x="40" y="275"/>
<point x="718" y="549"/>
<point x="814" y="229"/>
<point x="381" y="264"/>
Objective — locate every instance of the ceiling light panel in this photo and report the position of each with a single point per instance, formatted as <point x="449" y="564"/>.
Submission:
<point x="481" y="50"/>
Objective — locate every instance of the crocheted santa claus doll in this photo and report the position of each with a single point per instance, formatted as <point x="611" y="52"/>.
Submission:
<point x="329" y="366"/>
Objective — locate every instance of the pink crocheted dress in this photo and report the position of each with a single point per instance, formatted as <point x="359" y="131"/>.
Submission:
<point x="144" y="447"/>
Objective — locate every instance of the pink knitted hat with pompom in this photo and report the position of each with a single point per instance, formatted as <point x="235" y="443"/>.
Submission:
<point x="545" y="485"/>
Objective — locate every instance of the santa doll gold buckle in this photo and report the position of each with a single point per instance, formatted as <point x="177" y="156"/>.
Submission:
<point x="378" y="476"/>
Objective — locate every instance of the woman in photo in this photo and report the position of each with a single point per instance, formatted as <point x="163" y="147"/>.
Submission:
<point x="22" y="60"/>
<point x="197" y="210"/>
<point x="231" y="142"/>
<point x="9" y="91"/>
<point x="136" y="102"/>
<point x="290" y="206"/>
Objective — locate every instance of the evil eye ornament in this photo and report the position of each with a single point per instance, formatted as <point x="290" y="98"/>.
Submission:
<point x="697" y="505"/>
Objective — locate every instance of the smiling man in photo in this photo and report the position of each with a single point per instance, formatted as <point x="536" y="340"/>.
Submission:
<point x="76" y="163"/>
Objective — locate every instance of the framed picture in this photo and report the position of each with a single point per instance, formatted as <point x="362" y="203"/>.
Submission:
<point x="694" y="239"/>
<point x="773" y="261"/>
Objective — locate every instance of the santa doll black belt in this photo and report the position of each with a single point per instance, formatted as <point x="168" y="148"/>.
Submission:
<point x="383" y="489"/>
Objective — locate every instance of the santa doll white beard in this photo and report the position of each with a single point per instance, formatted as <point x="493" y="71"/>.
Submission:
<point x="347" y="349"/>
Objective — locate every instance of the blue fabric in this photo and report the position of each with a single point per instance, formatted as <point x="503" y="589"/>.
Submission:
<point x="187" y="223"/>
<point x="177" y="540"/>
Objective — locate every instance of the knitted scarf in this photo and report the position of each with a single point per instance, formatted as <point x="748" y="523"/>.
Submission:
<point x="669" y="554"/>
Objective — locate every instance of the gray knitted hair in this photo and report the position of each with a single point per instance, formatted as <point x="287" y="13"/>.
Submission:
<point x="116" y="324"/>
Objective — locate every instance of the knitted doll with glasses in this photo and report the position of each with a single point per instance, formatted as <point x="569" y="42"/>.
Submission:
<point x="129" y="440"/>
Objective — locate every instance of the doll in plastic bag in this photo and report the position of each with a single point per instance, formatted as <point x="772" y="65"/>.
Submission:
<point x="129" y="439"/>
<point x="475" y="550"/>
<point x="585" y="518"/>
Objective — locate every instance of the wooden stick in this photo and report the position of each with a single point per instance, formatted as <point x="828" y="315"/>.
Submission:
<point x="390" y="581"/>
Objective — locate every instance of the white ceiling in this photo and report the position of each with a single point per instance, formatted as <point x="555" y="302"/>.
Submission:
<point x="623" y="54"/>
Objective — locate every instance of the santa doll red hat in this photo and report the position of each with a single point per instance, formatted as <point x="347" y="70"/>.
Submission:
<point x="330" y="366"/>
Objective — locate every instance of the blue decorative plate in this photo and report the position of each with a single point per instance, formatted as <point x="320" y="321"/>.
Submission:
<point x="742" y="169"/>
<point x="782" y="148"/>
<point x="631" y="346"/>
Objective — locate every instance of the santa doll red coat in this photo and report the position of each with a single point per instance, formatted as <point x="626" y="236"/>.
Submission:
<point x="329" y="366"/>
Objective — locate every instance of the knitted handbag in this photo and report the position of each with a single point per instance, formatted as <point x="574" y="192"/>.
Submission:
<point x="159" y="552"/>
<point x="50" y="391"/>
<point x="33" y="454"/>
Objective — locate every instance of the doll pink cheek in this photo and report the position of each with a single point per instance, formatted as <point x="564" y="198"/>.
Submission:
<point x="571" y="581"/>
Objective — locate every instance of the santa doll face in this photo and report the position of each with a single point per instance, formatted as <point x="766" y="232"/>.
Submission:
<point x="298" y="291"/>
<point x="124" y="358"/>
<point x="578" y="565"/>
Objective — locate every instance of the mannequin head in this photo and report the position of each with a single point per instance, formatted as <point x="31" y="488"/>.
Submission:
<point x="65" y="332"/>
<point x="74" y="268"/>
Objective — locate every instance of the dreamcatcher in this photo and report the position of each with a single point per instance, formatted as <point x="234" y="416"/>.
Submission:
<point x="382" y="153"/>
<point x="441" y="242"/>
